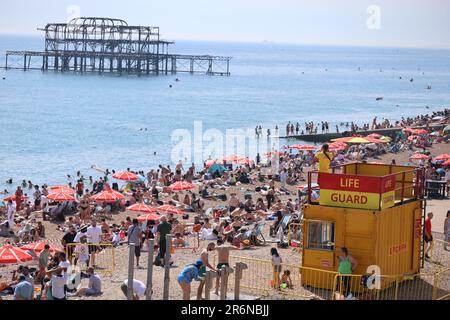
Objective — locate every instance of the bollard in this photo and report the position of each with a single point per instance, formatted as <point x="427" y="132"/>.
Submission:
<point x="130" y="272"/>
<point x="167" y="267"/>
<point x="240" y="266"/>
<point x="151" y="248"/>
<point x="209" y="276"/>
<point x="224" y="273"/>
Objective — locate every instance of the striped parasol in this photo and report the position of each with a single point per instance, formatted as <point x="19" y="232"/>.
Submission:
<point x="142" y="207"/>
<point x="125" y="176"/>
<point x="181" y="185"/>
<point x="170" y="209"/>
<point x="60" y="197"/>
<point x="10" y="255"/>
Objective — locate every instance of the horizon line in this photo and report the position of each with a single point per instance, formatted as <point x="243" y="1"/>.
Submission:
<point x="273" y="42"/>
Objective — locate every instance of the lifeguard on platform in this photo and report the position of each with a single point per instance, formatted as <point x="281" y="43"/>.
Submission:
<point x="324" y="157"/>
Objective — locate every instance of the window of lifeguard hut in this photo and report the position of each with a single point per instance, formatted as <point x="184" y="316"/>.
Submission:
<point x="321" y="235"/>
<point x="324" y="157"/>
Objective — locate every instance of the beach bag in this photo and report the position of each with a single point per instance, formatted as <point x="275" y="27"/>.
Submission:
<point x="222" y="197"/>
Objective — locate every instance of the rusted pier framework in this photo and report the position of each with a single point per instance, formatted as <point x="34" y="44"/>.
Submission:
<point x="107" y="45"/>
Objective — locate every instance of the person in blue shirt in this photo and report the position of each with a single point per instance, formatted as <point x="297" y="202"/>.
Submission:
<point x="189" y="273"/>
<point x="23" y="290"/>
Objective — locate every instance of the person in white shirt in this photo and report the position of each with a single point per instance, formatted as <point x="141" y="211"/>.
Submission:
<point x="283" y="178"/>
<point x="94" y="235"/>
<point x="44" y="203"/>
<point x="58" y="282"/>
<point x="139" y="289"/>
<point x="10" y="211"/>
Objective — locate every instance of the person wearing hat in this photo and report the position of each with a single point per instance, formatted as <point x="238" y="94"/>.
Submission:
<point x="189" y="273"/>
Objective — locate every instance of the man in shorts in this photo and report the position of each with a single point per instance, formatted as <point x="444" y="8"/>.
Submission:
<point x="427" y="235"/>
<point x="204" y="256"/>
<point x="223" y="252"/>
<point x="134" y="236"/>
<point x="94" y="234"/>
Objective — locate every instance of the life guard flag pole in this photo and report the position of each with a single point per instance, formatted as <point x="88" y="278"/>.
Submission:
<point x="167" y="267"/>
<point x="130" y="272"/>
<point x="151" y="248"/>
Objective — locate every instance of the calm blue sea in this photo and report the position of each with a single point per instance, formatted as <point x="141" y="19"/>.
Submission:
<point x="54" y="124"/>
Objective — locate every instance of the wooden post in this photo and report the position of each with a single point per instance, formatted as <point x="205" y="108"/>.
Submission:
<point x="130" y="272"/>
<point x="209" y="276"/>
<point x="25" y="62"/>
<point x="151" y="248"/>
<point x="224" y="272"/>
<point x="240" y="266"/>
<point x="6" y="62"/>
<point x="167" y="267"/>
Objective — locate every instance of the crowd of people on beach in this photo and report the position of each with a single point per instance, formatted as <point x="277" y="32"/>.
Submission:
<point x="233" y="222"/>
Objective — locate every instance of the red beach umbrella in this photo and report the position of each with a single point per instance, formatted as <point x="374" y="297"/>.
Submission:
<point x="419" y="131"/>
<point x="170" y="209"/>
<point x="60" y="197"/>
<point x="419" y="156"/>
<point x="231" y="158"/>
<point x="142" y="207"/>
<point x="107" y="195"/>
<point x="38" y="247"/>
<point x="61" y="189"/>
<point x="125" y="176"/>
<point x="303" y="147"/>
<point x="181" y="185"/>
<point x="446" y="163"/>
<point x="13" y="198"/>
<point x="10" y="255"/>
<point x="442" y="157"/>
<point x="149" y="216"/>
<point x="244" y="161"/>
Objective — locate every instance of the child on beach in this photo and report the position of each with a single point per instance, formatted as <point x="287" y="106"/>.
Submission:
<point x="286" y="279"/>
<point x="276" y="264"/>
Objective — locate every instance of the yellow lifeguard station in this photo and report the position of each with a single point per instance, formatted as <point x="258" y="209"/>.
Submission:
<point x="374" y="210"/>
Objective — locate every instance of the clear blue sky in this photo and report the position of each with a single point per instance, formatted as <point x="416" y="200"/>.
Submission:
<point x="404" y="23"/>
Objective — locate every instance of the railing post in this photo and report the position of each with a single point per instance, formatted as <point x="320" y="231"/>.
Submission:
<point x="167" y="267"/>
<point x="224" y="273"/>
<point x="130" y="272"/>
<point x="209" y="276"/>
<point x="151" y="248"/>
<point x="240" y="266"/>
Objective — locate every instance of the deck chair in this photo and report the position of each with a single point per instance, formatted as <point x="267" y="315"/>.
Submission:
<point x="258" y="232"/>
